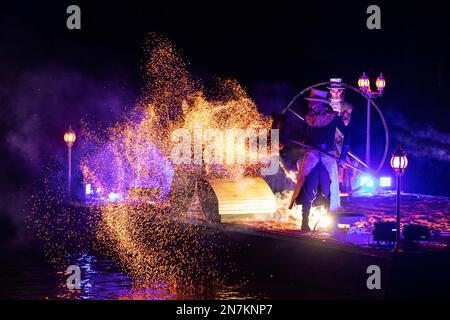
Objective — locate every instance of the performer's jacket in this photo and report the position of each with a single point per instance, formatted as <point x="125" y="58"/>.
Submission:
<point x="321" y="130"/>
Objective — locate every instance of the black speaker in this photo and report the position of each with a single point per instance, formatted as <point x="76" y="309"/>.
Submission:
<point x="414" y="232"/>
<point x="385" y="231"/>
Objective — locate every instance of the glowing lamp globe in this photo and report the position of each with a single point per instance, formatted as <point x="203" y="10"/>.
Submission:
<point x="70" y="137"/>
<point x="399" y="161"/>
<point x="364" y="82"/>
<point x="380" y="83"/>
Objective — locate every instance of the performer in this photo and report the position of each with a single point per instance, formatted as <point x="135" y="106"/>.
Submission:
<point x="337" y="100"/>
<point x="314" y="168"/>
<point x="342" y="181"/>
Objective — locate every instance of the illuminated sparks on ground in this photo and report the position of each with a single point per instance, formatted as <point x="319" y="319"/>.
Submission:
<point x="291" y="219"/>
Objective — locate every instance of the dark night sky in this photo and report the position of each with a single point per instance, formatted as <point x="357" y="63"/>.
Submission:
<point x="50" y="76"/>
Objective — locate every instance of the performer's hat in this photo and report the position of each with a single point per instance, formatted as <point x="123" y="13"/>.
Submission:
<point x="318" y="95"/>
<point x="336" y="83"/>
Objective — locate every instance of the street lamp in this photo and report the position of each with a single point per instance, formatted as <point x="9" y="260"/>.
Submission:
<point x="364" y="86"/>
<point x="69" y="138"/>
<point x="364" y="83"/>
<point x="380" y="83"/>
<point x="399" y="162"/>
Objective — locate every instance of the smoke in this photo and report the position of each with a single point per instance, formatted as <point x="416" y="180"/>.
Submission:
<point x="272" y="96"/>
<point x="37" y="106"/>
<point x="421" y="140"/>
<point x="428" y="149"/>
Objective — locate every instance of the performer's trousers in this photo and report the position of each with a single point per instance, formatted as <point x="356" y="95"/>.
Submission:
<point x="310" y="161"/>
<point x="318" y="177"/>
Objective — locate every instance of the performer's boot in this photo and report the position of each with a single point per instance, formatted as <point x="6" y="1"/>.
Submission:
<point x="305" y="220"/>
<point x="326" y="203"/>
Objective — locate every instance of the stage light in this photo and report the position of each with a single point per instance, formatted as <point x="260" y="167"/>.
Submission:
<point x="414" y="232"/>
<point x="365" y="185"/>
<point x="114" y="196"/>
<point x="385" y="182"/>
<point x="88" y="188"/>
<point x="366" y="181"/>
<point x="385" y="231"/>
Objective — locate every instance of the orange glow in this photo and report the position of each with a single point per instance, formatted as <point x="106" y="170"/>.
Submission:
<point x="399" y="163"/>
<point x="399" y="160"/>
<point x="70" y="137"/>
<point x="154" y="241"/>
<point x="381" y="82"/>
<point x="364" y="82"/>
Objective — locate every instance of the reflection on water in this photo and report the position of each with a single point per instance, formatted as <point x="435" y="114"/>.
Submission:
<point x="101" y="279"/>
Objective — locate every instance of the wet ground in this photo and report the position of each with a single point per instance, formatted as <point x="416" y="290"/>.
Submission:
<point x="28" y="277"/>
<point x="26" y="274"/>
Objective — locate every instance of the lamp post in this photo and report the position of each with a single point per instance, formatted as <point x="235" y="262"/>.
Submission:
<point x="364" y="86"/>
<point x="399" y="162"/>
<point x="69" y="138"/>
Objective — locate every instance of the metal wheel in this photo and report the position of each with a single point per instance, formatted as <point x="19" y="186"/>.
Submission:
<point x="347" y="86"/>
